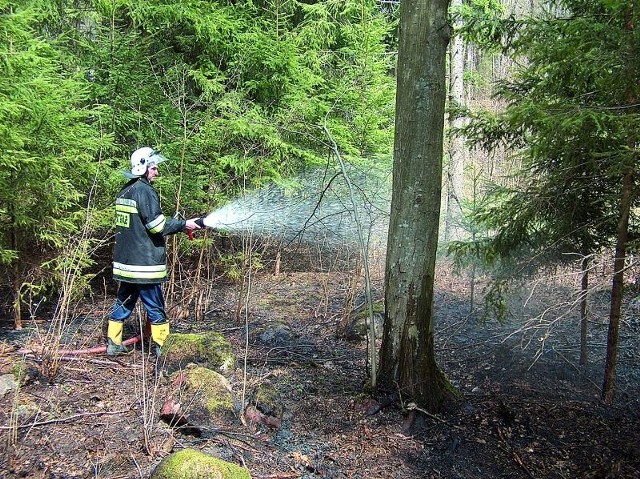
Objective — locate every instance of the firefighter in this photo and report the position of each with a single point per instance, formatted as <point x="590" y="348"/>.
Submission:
<point x="139" y="258"/>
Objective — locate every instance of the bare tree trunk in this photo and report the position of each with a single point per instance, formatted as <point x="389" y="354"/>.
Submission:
<point x="17" y="304"/>
<point x="455" y="168"/>
<point x="584" y="312"/>
<point x="617" y="287"/>
<point x="15" y="279"/>
<point x="407" y="359"/>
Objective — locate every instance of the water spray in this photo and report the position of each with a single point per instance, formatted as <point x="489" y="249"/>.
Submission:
<point x="318" y="209"/>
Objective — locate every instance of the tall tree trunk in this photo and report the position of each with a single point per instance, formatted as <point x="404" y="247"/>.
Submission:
<point x="407" y="359"/>
<point x="617" y="286"/>
<point x="584" y="312"/>
<point x="455" y="168"/>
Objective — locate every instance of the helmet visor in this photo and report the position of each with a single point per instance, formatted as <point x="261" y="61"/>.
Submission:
<point x="154" y="159"/>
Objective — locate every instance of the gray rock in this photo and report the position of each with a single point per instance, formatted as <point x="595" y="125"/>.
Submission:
<point x="7" y="383"/>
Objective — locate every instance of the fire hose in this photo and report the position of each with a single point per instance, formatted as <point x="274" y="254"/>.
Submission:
<point x="81" y="352"/>
<point x="146" y="333"/>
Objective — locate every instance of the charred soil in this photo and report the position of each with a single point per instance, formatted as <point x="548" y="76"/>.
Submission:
<point x="525" y="407"/>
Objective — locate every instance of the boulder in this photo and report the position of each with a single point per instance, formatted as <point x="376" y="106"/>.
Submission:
<point x="7" y="383"/>
<point x="356" y="327"/>
<point x="276" y="334"/>
<point x="197" y="401"/>
<point x="193" y="464"/>
<point x="210" y="350"/>
<point x="265" y="407"/>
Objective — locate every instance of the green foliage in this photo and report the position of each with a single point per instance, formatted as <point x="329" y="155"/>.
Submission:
<point x="569" y="121"/>
<point x="235" y="94"/>
<point x="49" y="139"/>
<point x="483" y="22"/>
<point x="236" y="265"/>
<point x="238" y="92"/>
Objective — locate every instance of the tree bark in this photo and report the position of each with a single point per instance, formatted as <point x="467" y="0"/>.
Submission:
<point x="455" y="169"/>
<point x="617" y="286"/>
<point x="584" y="310"/>
<point x="407" y="359"/>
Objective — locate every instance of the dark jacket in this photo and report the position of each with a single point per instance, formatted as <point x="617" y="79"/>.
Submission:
<point x="140" y="254"/>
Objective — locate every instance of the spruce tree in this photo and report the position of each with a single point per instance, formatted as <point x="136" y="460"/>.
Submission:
<point x="47" y="162"/>
<point x="572" y="119"/>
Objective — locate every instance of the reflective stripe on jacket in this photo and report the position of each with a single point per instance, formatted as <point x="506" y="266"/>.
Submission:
<point x="140" y="254"/>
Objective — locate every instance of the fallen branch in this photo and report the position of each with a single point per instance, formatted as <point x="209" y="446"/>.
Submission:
<point x="101" y="362"/>
<point x="414" y="407"/>
<point x="69" y="418"/>
<point x="515" y="456"/>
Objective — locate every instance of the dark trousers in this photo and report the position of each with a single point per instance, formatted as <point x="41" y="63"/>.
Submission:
<point x="151" y="297"/>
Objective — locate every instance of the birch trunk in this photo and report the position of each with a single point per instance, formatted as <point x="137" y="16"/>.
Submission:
<point x="455" y="169"/>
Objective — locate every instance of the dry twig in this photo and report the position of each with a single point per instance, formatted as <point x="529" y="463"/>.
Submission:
<point x="64" y="419"/>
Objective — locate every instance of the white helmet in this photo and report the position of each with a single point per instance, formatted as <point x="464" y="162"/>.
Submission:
<point x="144" y="158"/>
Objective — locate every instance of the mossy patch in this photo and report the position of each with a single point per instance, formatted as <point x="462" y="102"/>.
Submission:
<point x="363" y="312"/>
<point x="210" y="350"/>
<point x="214" y="386"/>
<point x="193" y="464"/>
<point x="205" y="394"/>
<point x="267" y="400"/>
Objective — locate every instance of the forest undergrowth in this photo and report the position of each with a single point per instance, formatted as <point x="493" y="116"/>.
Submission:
<point x="526" y="408"/>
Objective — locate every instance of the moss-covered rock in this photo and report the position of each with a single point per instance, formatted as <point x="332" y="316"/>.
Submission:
<point x="267" y="399"/>
<point x="210" y="350"/>
<point x="214" y="388"/>
<point x="193" y="464"/>
<point x="198" y="398"/>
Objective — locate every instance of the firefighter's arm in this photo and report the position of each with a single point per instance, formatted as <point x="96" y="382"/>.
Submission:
<point x="154" y="220"/>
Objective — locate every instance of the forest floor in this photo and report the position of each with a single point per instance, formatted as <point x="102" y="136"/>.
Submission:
<point x="525" y="410"/>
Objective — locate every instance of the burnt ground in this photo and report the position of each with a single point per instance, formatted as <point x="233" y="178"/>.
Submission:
<point x="525" y="410"/>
